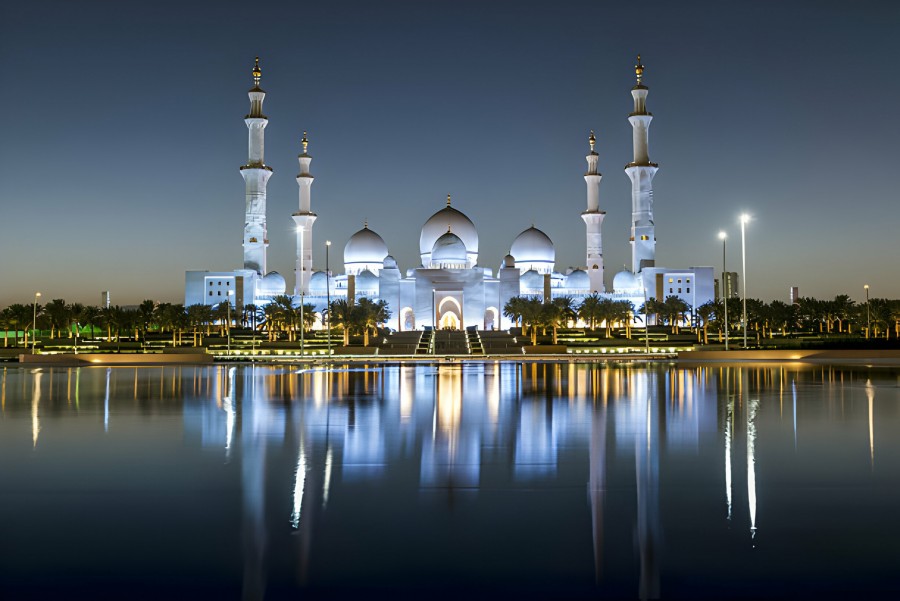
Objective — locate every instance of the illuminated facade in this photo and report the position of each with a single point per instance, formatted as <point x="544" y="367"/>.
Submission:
<point x="449" y="289"/>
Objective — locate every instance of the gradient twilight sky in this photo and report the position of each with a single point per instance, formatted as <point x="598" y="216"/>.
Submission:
<point x="124" y="133"/>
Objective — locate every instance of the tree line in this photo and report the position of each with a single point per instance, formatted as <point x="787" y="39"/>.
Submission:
<point x="280" y="319"/>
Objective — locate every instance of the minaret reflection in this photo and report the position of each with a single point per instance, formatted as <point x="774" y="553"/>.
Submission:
<point x="228" y="406"/>
<point x="729" y="434"/>
<point x="597" y="483"/>
<point x="35" y="403"/>
<point x="254" y="422"/>
<point x="794" y="393"/>
<point x="870" y="394"/>
<point x="644" y="398"/>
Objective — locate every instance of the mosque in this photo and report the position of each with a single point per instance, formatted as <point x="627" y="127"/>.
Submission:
<point x="449" y="289"/>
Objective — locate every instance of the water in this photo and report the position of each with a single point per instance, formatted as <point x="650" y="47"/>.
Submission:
<point x="473" y="480"/>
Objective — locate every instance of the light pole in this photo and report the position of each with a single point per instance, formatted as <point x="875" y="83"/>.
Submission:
<point x="744" y="219"/>
<point x="228" y="325"/>
<point x="433" y="324"/>
<point x="868" y="325"/>
<point x="328" y="295"/>
<point x="722" y="237"/>
<point x="37" y="295"/>
<point x="646" y="323"/>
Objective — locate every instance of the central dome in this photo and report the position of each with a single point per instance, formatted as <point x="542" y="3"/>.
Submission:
<point x="438" y="224"/>
<point x="449" y="251"/>
<point x="364" y="250"/>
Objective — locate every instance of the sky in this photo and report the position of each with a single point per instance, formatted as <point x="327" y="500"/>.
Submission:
<point x="124" y="133"/>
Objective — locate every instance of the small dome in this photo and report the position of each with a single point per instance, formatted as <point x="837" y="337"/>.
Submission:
<point x="625" y="281"/>
<point x="578" y="280"/>
<point x="531" y="280"/>
<point x="449" y="248"/>
<point x="366" y="280"/>
<point x="390" y="263"/>
<point x="508" y="262"/>
<point x="459" y="224"/>
<point x="272" y="284"/>
<point x="365" y="246"/>
<point x="317" y="283"/>
<point x="533" y="246"/>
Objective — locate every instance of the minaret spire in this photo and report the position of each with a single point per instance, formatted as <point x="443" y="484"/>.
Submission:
<point x="641" y="172"/>
<point x="256" y="176"/>
<point x="304" y="219"/>
<point x="593" y="219"/>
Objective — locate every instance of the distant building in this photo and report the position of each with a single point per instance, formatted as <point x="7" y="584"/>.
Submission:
<point x="795" y="295"/>
<point x="104" y="299"/>
<point x="731" y="285"/>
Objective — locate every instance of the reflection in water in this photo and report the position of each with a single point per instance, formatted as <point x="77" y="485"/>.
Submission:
<point x="388" y="470"/>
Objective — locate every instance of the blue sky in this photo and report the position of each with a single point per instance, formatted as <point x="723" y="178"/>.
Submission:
<point x="124" y="133"/>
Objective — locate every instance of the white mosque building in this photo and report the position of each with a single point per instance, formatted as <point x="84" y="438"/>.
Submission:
<point x="449" y="288"/>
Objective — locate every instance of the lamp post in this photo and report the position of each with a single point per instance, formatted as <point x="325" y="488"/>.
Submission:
<point x="37" y="295"/>
<point x="722" y="237"/>
<point x="646" y="323"/>
<point x="744" y="219"/>
<point x="868" y="324"/>
<point x="228" y="325"/>
<point x="433" y="324"/>
<point x="328" y="295"/>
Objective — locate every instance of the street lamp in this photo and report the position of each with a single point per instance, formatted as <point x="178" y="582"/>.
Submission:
<point x="37" y="295"/>
<point x="228" y="325"/>
<point x="744" y="219"/>
<point x="868" y="325"/>
<point x="328" y="295"/>
<point x="722" y="237"/>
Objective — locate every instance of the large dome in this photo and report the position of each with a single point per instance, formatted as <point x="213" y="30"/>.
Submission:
<point x="272" y="284"/>
<point x="578" y="279"/>
<point x="437" y="226"/>
<point x="533" y="249"/>
<point x="449" y="250"/>
<point x="364" y="250"/>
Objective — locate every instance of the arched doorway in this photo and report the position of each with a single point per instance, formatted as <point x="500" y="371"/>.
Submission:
<point x="408" y="318"/>
<point x="449" y="314"/>
<point x="490" y="319"/>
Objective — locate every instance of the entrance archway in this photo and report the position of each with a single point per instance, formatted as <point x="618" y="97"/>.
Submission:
<point x="449" y="321"/>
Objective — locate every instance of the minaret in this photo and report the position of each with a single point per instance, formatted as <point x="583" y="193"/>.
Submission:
<point x="593" y="220"/>
<point x="256" y="175"/>
<point x="641" y="172"/>
<point x="304" y="218"/>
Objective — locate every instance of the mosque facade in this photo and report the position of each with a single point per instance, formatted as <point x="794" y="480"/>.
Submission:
<point x="449" y="289"/>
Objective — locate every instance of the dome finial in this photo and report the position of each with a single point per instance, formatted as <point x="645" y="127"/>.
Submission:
<point x="305" y="142"/>
<point x="639" y="71"/>
<point x="449" y="230"/>
<point x="448" y="200"/>
<point x="257" y="73"/>
<point x="592" y="140"/>
<point x="366" y="224"/>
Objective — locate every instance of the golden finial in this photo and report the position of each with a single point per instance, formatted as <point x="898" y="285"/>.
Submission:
<point x="639" y="71"/>
<point x="366" y="224"/>
<point x="449" y="231"/>
<point x="592" y="140"/>
<point x="257" y="73"/>
<point x="448" y="200"/>
<point x="305" y="142"/>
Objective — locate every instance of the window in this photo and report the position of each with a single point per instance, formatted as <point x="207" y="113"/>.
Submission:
<point x="689" y="290"/>
<point x="670" y="280"/>
<point x="210" y="292"/>
<point x="670" y="290"/>
<point x="679" y="290"/>
<point x="210" y="283"/>
<point x="688" y="281"/>
<point x="645" y="237"/>
<point x="679" y="280"/>
<point x="220" y="293"/>
<point x="229" y="283"/>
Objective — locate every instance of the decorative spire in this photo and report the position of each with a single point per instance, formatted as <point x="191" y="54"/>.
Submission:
<point x="448" y="200"/>
<point x="592" y="140"/>
<point x="366" y="224"/>
<point x="257" y="73"/>
<point x="305" y="142"/>
<point x="449" y="230"/>
<point x="639" y="71"/>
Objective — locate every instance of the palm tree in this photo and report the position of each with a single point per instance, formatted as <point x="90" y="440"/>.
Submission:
<point x="5" y="323"/>
<point x="147" y="311"/>
<point x="623" y="312"/>
<point x="369" y="314"/>
<point x="706" y="313"/>
<point x="220" y="315"/>
<point x="513" y="309"/>
<point x="532" y="314"/>
<point x="675" y="310"/>
<point x="20" y="317"/>
<point x="341" y="312"/>
<point x="589" y="310"/>
<point x="57" y="313"/>
<point x="90" y="316"/>
<point x="197" y="316"/>
<point x="552" y="315"/>
<point x="567" y="310"/>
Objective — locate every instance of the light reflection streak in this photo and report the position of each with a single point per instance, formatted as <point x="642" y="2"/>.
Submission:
<point x="326" y="486"/>
<point x="729" y="432"/>
<point x="35" y="402"/>
<point x="794" y="392"/>
<point x="752" y="407"/>
<point x="106" y="403"/>
<point x="299" y="486"/>
<point x="229" y="412"/>
<point x="870" y="393"/>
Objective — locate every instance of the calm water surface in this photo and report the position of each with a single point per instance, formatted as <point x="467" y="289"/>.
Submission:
<point x="452" y="481"/>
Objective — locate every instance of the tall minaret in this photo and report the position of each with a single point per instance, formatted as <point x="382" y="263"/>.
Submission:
<point x="256" y="175"/>
<point x="641" y="172"/>
<point x="593" y="220"/>
<point x="304" y="218"/>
